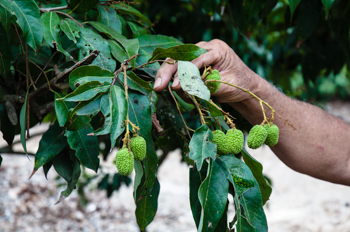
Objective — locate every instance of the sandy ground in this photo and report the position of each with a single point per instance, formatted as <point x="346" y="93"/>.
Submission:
<point x="298" y="203"/>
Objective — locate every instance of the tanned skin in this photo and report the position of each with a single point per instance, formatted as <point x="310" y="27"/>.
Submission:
<point x="320" y="145"/>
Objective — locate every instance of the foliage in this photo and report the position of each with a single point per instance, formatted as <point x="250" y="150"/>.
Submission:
<point x="88" y="69"/>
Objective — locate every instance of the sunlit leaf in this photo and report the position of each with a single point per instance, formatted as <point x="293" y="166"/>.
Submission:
<point x="119" y="109"/>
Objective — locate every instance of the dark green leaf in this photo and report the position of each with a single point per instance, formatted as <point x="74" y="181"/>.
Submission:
<point x="51" y="22"/>
<point x="85" y="74"/>
<point x="150" y="69"/>
<point x="51" y="144"/>
<point x="5" y="53"/>
<point x="327" y="5"/>
<point x="28" y="18"/>
<point x="90" y="107"/>
<point x="196" y="179"/>
<point x="5" y="18"/>
<point x="238" y="173"/>
<point x="75" y="174"/>
<point x="63" y="165"/>
<point x="23" y="122"/>
<point x="46" y="168"/>
<point x="293" y="5"/>
<point x="132" y="48"/>
<point x="70" y="28"/>
<point x="136" y="29"/>
<point x="256" y="169"/>
<point x="90" y="41"/>
<point x="86" y="91"/>
<point x="117" y="51"/>
<point x="102" y="28"/>
<point x="78" y="122"/>
<point x="106" y="111"/>
<point x="119" y="109"/>
<point x="146" y="208"/>
<point x="7" y="129"/>
<point x="185" y="52"/>
<point x="62" y="108"/>
<point x="82" y="6"/>
<point x="191" y="81"/>
<point x="136" y="83"/>
<point x="86" y="146"/>
<point x="127" y="9"/>
<point x="201" y="146"/>
<point x="108" y="16"/>
<point x="212" y="195"/>
<point x="138" y="175"/>
<point x="151" y="42"/>
<point x="186" y="106"/>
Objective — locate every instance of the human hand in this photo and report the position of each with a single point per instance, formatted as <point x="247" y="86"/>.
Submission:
<point x="221" y="57"/>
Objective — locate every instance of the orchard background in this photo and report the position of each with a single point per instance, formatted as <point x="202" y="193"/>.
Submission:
<point x="63" y="63"/>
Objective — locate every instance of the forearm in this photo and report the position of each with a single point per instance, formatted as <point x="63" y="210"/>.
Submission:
<point x="320" y="144"/>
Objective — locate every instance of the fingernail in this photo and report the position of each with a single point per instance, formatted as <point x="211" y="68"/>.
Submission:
<point x="175" y="83"/>
<point x="157" y="83"/>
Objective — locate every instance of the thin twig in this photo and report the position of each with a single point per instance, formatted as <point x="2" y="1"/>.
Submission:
<point x="178" y="109"/>
<point x="154" y="61"/>
<point x="198" y="108"/>
<point x="81" y="25"/>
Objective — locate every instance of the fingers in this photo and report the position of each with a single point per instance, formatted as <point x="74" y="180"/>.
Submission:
<point x="164" y="75"/>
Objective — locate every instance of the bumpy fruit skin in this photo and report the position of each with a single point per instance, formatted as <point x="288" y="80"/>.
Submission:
<point x="213" y="86"/>
<point x="138" y="147"/>
<point x="219" y="138"/>
<point x="124" y="162"/>
<point x="235" y="140"/>
<point x="257" y="136"/>
<point x="272" y="135"/>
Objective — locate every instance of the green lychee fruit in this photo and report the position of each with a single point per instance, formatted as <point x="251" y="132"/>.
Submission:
<point x="257" y="136"/>
<point x="219" y="138"/>
<point x="138" y="147"/>
<point x="235" y="140"/>
<point x="124" y="162"/>
<point x="213" y="86"/>
<point x="272" y="134"/>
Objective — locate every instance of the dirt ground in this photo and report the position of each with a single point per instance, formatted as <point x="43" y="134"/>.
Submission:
<point x="298" y="203"/>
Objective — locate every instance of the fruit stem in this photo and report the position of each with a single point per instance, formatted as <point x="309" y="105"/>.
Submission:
<point x="198" y="108"/>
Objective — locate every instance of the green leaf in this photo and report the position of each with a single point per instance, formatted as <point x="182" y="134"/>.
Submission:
<point x="90" y="41"/>
<point x="125" y="50"/>
<point x="51" y="22"/>
<point x="137" y="29"/>
<point x="201" y="146"/>
<point x="87" y="91"/>
<point x="106" y="111"/>
<point x="102" y="28"/>
<point x="86" y="146"/>
<point x="212" y="195"/>
<point x="196" y="179"/>
<point x="78" y="123"/>
<point x="132" y="48"/>
<point x="90" y="107"/>
<point x="151" y="42"/>
<point x="136" y="83"/>
<point x="146" y="208"/>
<point x="46" y="168"/>
<point x="108" y="16"/>
<point x="150" y="69"/>
<point x="82" y="6"/>
<point x="127" y="9"/>
<point x="257" y="169"/>
<point x="117" y="51"/>
<point x="28" y="18"/>
<point x="185" y="52"/>
<point x="327" y="5"/>
<point x="23" y="122"/>
<point x="70" y="28"/>
<point x="68" y="167"/>
<point x="5" y="53"/>
<point x="119" y="109"/>
<point x="51" y="144"/>
<point x="138" y="175"/>
<point x="5" y="18"/>
<point x="7" y="129"/>
<point x="293" y="5"/>
<point x="62" y="108"/>
<point x="89" y="73"/>
<point x="191" y="81"/>
<point x="238" y="173"/>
